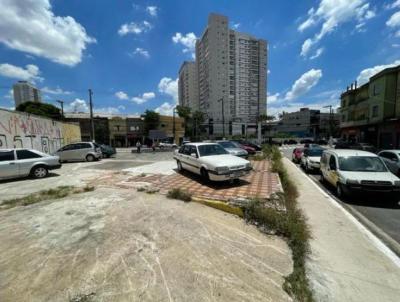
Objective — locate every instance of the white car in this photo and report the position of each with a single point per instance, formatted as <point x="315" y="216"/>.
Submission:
<point x="351" y="171"/>
<point x="166" y="145"/>
<point x="15" y="163"/>
<point x="310" y="160"/>
<point x="211" y="161"/>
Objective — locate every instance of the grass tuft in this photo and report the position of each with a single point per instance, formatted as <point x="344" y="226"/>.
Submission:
<point x="177" y="193"/>
<point x="57" y="193"/>
<point x="290" y="224"/>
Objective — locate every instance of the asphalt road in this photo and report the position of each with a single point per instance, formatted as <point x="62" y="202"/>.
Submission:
<point x="381" y="216"/>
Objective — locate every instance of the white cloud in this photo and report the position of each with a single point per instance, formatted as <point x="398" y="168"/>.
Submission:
<point x="152" y="10"/>
<point x="394" y="20"/>
<point x="30" y="73"/>
<point x="31" y="26"/>
<point x="144" y="97"/>
<point x="295" y="106"/>
<point x="56" y="91"/>
<point x="305" y="48"/>
<point x="77" y="105"/>
<point x="304" y="84"/>
<point x="121" y="95"/>
<point x="365" y="74"/>
<point x="188" y="41"/>
<point x="236" y="25"/>
<point x="165" y="109"/>
<point x="170" y="87"/>
<point x="109" y="110"/>
<point x="393" y="5"/>
<point x="10" y="94"/>
<point x="317" y="53"/>
<point x="134" y="28"/>
<point x="142" y="52"/>
<point x="272" y="98"/>
<point x="332" y="13"/>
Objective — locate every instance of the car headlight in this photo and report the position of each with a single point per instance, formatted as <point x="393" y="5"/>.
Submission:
<point x="352" y="182"/>
<point x="221" y="170"/>
<point x="397" y="183"/>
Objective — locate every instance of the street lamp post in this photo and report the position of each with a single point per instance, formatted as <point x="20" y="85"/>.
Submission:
<point x="62" y="107"/>
<point x="173" y="124"/>
<point x="223" y="116"/>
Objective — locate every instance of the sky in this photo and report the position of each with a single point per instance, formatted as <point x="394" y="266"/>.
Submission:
<point x="129" y="52"/>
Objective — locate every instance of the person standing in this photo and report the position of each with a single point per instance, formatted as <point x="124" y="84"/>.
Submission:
<point x="138" y="146"/>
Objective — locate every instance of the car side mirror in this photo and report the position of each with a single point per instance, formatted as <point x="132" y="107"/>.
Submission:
<point x="332" y="167"/>
<point x="193" y="155"/>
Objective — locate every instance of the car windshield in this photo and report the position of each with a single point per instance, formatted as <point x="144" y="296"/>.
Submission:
<point x="227" y="144"/>
<point x="315" y="152"/>
<point x="361" y="164"/>
<point x="214" y="149"/>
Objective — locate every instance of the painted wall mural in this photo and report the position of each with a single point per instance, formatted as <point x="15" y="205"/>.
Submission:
<point x="21" y="130"/>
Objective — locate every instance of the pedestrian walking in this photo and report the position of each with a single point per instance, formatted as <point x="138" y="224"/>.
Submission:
<point x="153" y="146"/>
<point x="138" y="146"/>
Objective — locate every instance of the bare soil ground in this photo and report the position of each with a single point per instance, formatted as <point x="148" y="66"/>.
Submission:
<point x="116" y="244"/>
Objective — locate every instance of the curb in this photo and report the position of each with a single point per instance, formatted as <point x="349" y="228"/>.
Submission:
<point x="219" y="205"/>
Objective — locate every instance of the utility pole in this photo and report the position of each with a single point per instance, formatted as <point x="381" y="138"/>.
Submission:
<point x="91" y="116"/>
<point x="330" y="119"/>
<point x="173" y="123"/>
<point x="62" y="107"/>
<point x="223" y="116"/>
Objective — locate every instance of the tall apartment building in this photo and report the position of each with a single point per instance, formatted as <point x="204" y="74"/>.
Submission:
<point x="188" y="86"/>
<point x="232" y="76"/>
<point x="26" y="92"/>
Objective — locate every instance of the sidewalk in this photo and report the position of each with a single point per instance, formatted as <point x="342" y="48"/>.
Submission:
<point x="347" y="262"/>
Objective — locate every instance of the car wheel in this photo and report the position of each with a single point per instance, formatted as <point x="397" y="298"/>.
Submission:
<point x="179" y="164"/>
<point x="39" y="172"/>
<point x="306" y="168"/>
<point x="339" y="191"/>
<point x="204" y="174"/>
<point x="90" y="157"/>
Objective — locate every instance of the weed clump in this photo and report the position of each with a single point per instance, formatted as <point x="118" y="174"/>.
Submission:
<point x="177" y="193"/>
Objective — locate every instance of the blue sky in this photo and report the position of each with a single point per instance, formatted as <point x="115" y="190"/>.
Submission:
<point x="129" y="52"/>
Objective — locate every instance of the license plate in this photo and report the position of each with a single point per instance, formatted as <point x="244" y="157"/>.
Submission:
<point x="236" y="174"/>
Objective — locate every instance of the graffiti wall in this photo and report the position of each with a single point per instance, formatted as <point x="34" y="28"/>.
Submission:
<point x="21" y="130"/>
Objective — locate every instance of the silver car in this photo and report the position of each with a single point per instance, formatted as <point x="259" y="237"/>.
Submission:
<point x="233" y="149"/>
<point x="15" y="163"/>
<point x="392" y="160"/>
<point x="83" y="151"/>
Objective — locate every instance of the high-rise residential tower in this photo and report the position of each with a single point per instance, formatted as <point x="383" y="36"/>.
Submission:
<point x="188" y="86"/>
<point x="232" y="75"/>
<point x="25" y="92"/>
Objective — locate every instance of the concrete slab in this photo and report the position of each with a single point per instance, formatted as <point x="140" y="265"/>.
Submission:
<point x="120" y="245"/>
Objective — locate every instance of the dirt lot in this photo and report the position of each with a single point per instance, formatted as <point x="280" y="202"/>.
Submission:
<point x="116" y="244"/>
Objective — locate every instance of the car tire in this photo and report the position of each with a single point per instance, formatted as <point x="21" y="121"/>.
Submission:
<point x="39" y="172"/>
<point x="306" y="168"/>
<point x="90" y="158"/>
<point x="339" y="191"/>
<point x="204" y="174"/>
<point x="179" y="164"/>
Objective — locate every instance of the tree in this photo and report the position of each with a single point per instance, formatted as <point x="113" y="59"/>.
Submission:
<point x="198" y="118"/>
<point x="184" y="112"/>
<point x="42" y="109"/>
<point x="151" y="120"/>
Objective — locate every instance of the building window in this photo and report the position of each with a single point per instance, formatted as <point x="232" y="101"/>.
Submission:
<point x="376" y="89"/>
<point x="375" y="111"/>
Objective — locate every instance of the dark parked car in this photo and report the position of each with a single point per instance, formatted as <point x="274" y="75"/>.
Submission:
<point x="249" y="144"/>
<point x="322" y="142"/>
<point x="355" y="146"/>
<point x="306" y="141"/>
<point x="107" y="151"/>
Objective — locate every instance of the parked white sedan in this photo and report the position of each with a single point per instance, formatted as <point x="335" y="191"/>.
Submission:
<point x="211" y="161"/>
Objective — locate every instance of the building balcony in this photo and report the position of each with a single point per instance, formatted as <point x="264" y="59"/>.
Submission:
<point x="355" y="123"/>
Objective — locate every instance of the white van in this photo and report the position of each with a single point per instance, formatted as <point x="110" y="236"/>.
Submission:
<point x="351" y="171"/>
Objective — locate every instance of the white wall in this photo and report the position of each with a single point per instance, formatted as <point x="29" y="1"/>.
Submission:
<point x="21" y="130"/>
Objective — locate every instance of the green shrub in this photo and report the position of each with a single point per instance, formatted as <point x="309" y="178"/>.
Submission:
<point x="290" y="224"/>
<point x="179" y="194"/>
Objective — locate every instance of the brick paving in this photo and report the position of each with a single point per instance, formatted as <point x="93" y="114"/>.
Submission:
<point x="259" y="183"/>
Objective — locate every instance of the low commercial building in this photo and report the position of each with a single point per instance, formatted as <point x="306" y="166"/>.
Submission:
<point x="174" y="127"/>
<point x="371" y="113"/>
<point x="306" y="123"/>
<point x="101" y="127"/>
